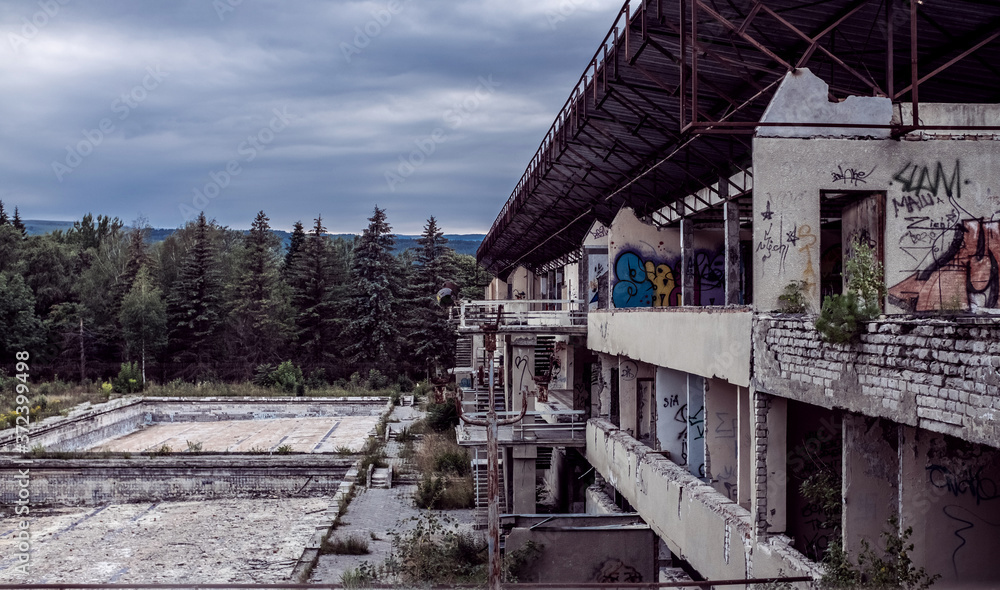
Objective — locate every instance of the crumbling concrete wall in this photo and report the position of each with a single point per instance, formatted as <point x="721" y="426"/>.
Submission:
<point x="941" y="203"/>
<point x="88" y="426"/>
<point x="696" y="522"/>
<point x="141" y="478"/>
<point x="934" y="374"/>
<point x="712" y="342"/>
<point x="577" y="552"/>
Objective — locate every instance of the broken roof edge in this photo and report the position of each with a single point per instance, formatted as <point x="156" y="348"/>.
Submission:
<point x="803" y="97"/>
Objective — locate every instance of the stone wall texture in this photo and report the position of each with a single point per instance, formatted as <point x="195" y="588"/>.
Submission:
<point x="96" y="481"/>
<point x="942" y="375"/>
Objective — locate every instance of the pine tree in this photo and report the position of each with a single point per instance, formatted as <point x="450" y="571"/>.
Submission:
<point x="373" y="329"/>
<point x="314" y="281"/>
<point x="143" y="318"/>
<point x="431" y="339"/>
<point x="18" y="224"/>
<point x="294" y="247"/>
<point x="4" y="219"/>
<point x="258" y="318"/>
<point x="193" y="306"/>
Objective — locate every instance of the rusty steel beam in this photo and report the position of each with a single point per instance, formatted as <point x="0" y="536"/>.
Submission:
<point x="814" y="44"/>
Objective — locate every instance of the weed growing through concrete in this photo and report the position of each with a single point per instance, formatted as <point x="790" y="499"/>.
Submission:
<point x="351" y="545"/>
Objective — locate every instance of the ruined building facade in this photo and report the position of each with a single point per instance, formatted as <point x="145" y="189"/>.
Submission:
<point x="642" y="257"/>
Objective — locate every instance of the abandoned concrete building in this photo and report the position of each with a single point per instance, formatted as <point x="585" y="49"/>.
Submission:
<point x="713" y="157"/>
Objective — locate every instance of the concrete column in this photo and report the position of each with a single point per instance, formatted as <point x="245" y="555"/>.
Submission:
<point x="628" y="402"/>
<point x="522" y="368"/>
<point x="687" y="261"/>
<point x="523" y="480"/>
<point x="721" y="411"/>
<point x="602" y="387"/>
<point x="671" y="413"/>
<point x="948" y="494"/>
<point x="745" y="467"/>
<point x="696" y="425"/>
<point x="871" y="480"/>
<point x="645" y="393"/>
<point x="770" y="442"/>
<point x="731" y="219"/>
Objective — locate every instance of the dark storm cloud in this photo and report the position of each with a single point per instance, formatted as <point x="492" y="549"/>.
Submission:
<point x="426" y="107"/>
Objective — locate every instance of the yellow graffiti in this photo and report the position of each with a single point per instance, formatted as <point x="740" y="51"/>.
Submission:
<point x="663" y="282"/>
<point x="809" y="274"/>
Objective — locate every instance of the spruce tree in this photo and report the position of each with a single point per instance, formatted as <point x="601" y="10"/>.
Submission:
<point x="314" y="281"/>
<point x="294" y="247"/>
<point x="194" y="304"/>
<point x="373" y="332"/>
<point x="18" y="224"/>
<point x="431" y="338"/>
<point x="258" y="318"/>
<point x="4" y="218"/>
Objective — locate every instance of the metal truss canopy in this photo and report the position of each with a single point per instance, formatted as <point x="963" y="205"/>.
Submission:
<point x="665" y="107"/>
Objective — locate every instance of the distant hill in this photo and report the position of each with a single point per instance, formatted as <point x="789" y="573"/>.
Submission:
<point x="461" y="243"/>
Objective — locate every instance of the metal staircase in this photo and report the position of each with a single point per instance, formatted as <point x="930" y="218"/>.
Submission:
<point x="479" y="479"/>
<point x="463" y="352"/>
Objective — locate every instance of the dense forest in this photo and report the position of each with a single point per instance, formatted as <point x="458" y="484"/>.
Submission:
<point x="210" y="303"/>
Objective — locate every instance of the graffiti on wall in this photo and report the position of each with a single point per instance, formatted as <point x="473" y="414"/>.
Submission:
<point x="773" y="247"/>
<point x="657" y="283"/>
<point x="598" y="286"/>
<point x="967" y="481"/>
<point x="955" y="254"/>
<point x="965" y="274"/>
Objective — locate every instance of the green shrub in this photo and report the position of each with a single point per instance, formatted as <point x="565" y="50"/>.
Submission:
<point x="404" y="383"/>
<point x="793" y="298"/>
<point x="359" y="577"/>
<point x="865" y="278"/>
<point x="261" y="376"/>
<point x="456" y="462"/>
<point x="377" y="380"/>
<point x="442" y="417"/>
<point x="284" y="450"/>
<point x="317" y="380"/>
<point x="288" y="378"/>
<point x="839" y="319"/>
<point x="889" y="568"/>
<point x="428" y="491"/>
<point x="129" y="379"/>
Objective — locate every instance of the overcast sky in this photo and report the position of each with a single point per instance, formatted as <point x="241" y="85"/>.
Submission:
<point x="159" y="109"/>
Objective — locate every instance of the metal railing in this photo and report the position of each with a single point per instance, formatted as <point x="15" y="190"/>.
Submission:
<point x="521" y="313"/>
<point x="559" y="425"/>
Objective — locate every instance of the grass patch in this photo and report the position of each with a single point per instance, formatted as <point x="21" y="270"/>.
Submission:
<point x="351" y="545"/>
<point x="447" y="473"/>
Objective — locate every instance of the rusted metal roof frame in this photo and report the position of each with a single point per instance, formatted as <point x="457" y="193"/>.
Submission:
<point x="713" y="101"/>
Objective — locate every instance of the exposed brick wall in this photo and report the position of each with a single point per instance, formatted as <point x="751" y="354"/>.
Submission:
<point x="932" y="373"/>
<point x="761" y="406"/>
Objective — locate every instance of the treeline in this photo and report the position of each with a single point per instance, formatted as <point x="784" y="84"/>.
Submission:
<point x="213" y="303"/>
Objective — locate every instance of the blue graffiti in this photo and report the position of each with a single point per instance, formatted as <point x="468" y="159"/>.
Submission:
<point x="633" y="288"/>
